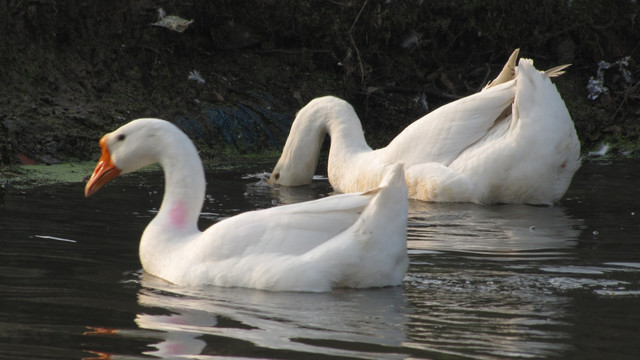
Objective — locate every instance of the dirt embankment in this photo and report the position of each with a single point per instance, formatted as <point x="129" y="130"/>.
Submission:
<point x="234" y="78"/>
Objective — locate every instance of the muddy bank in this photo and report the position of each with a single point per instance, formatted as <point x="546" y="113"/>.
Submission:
<point x="236" y="75"/>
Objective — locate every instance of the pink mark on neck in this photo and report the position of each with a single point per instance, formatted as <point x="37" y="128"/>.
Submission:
<point x="178" y="214"/>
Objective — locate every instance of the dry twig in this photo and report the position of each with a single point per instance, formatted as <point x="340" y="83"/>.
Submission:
<point x="353" y="42"/>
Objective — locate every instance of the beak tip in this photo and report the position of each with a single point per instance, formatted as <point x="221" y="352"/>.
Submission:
<point x="88" y="190"/>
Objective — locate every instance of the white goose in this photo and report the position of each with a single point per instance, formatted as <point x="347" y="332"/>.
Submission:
<point x="351" y="240"/>
<point x="513" y="142"/>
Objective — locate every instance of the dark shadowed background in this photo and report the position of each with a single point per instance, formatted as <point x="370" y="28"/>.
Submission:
<point x="234" y="78"/>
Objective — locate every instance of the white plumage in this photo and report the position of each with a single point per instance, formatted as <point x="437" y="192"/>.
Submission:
<point x="513" y="142"/>
<point x="350" y="240"/>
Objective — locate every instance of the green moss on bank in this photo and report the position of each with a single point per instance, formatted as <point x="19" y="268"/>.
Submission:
<point x="26" y="176"/>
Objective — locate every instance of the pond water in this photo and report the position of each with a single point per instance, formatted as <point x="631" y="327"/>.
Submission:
<point x="484" y="282"/>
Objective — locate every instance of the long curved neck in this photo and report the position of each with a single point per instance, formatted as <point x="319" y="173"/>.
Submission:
<point x="164" y="239"/>
<point x="347" y="136"/>
<point x="184" y="186"/>
<point x="322" y="116"/>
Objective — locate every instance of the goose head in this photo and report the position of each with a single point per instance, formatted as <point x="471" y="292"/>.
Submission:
<point x="127" y="149"/>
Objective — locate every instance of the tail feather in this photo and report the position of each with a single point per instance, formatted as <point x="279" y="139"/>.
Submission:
<point x="556" y="71"/>
<point x="373" y="251"/>
<point x="394" y="175"/>
<point x="508" y="71"/>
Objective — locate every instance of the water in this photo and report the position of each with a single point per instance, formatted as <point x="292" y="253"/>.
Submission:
<point x="485" y="282"/>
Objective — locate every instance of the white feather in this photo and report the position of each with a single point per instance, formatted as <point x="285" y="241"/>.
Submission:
<point x="513" y="142"/>
<point x="350" y="240"/>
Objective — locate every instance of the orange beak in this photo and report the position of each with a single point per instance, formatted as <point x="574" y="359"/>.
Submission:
<point x="104" y="171"/>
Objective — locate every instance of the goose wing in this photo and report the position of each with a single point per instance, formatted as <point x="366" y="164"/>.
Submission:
<point x="292" y="229"/>
<point x="444" y="133"/>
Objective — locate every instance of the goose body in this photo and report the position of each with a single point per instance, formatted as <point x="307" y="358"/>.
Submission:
<point x="513" y="142"/>
<point x="350" y="240"/>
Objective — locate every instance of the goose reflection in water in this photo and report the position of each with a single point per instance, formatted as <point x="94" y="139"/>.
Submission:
<point x="258" y="192"/>
<point x="502" y="231"/>
<point x="476" y="281"/>
<point x="255" y="320"/>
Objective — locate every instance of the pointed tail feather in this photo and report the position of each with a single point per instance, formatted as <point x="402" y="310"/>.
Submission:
<point x="556" y="71"/>
<point x="394" y="175"/>
<point x="508" y="71"/>
<point x="391" y="195"/>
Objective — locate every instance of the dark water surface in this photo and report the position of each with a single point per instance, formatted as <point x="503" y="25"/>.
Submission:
<point x="485" y="282"/>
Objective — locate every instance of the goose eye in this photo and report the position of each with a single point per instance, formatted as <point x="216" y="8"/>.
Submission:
<point x="276" y="176"/>
<point x="121" y="137"/>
